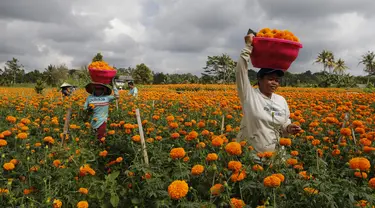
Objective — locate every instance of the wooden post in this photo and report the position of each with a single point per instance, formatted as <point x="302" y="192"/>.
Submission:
<point x="222" y="124"/>
<point x="144" y="150"/>
<point x="66" y="124"/>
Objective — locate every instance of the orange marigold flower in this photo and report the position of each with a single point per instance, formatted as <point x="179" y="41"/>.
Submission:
<point x="371" y="183"/>
<point x="345" y="131"/>
<point x="257" y="167"/>
<point x="177" y="153"/>
<point x="57" y="203"/>
<point x="360" y="174"/>
<point x="56" y="163"/>
<point x="238" y="176"/>
<point x="291" y="161"/>
<point x="217" y="189"/>
<point x="3" y="143"/>
<point x="82" y="204"/>
<point x="304" y="175"/>
<point x="234" y="165"/>
<point x="22" y="135"/>
<point x="280" y="176"/>
<point x="8" y="166"/>
<point x="119" y="159"/>
<point x="360" y="163"/>
<point x="237" y="203"/>
<point x="271" y="181"/>
<point x="178" y="189"/>
<point x="136" y="138"/>
<point x="197" y="169"/>
<point x="83" y="190"/>
<point x="233" y="148"/>
<point x="103" y="153"/>
<point x="217" y="141"/>
<point x="285" y="142"/>
<point x="212" y="157"/>
<point x="294" y="153"/>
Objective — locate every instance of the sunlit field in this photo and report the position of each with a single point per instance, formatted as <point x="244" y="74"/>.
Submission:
<point x="194" y="158"/>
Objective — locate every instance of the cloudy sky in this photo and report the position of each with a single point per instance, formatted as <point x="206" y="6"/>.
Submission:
<point x="177" y="35"/>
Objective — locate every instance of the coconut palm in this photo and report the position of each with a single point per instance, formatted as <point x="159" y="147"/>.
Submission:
<point x="368" y="60"/>
<point x="327" y="59"/>
<point x="340" y="67"/>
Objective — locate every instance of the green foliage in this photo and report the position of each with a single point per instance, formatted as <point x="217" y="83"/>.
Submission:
<point x="219" y="69"/>
<point x="97" y="57"/>
<point x="39" y="87"/>
<point x="142" y="74"/>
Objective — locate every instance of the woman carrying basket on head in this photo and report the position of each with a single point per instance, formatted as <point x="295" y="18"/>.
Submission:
<point x="265" y="114"/>
<point x="98" y="103"/>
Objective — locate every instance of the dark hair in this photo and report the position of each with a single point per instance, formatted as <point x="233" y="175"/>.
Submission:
<point x="130" y="83"/>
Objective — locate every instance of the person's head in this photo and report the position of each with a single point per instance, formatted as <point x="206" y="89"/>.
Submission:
<point x="131" y="85"/>
<point x="269" y="80"/>
<point x="98" y="90"/>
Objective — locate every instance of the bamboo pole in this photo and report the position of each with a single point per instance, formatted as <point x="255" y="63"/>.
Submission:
<point x="144" y="150"/>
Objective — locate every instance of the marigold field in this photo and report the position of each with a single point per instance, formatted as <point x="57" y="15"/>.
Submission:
<point x="193" y="162"/>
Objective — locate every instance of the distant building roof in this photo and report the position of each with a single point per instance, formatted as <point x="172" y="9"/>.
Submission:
<point x="125" y="78"/>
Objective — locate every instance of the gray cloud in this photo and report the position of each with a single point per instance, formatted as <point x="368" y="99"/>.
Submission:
<point x="177" y="35"/>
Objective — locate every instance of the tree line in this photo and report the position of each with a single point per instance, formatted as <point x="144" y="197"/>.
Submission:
<point x="218" y="69"/>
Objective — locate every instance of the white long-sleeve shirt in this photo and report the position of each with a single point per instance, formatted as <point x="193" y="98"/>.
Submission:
<point x="263" y="118"/>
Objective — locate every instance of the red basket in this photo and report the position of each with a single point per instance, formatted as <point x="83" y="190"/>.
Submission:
<point x="274" y="53"/>
<point x="102" y="76"/>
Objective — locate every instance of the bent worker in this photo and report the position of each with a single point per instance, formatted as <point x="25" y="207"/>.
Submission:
<point x="265" y="114"/>
<point x="66" y="89"/>
<point x="98" y="103"/>
<point x="133" y="90"/>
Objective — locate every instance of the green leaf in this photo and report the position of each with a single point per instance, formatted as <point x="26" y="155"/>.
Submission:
<point x="113" y="176"/>
<point x="114" y="200"/>
<point x="135" y="201"/>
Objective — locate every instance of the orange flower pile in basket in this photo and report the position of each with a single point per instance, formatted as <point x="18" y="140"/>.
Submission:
<point x="279" y="34"/>
<point x="100" y="65"/>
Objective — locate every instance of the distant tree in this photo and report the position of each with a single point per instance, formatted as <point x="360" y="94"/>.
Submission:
<point x="340" y="67"/>
<point x="142" y="74"/>
<point x="368" y="60"/>
<point x="32" y="76"/>
<point x="159" y="78"/>
<point x="221" y="68"/>
<point x="14" y="71"/>
<point x="54" y="76"/>
<point x="326" y="58"/>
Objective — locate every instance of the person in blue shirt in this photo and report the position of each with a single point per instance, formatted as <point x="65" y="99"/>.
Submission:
<point x="98" y="103"/>
<point x="133" y="90"/>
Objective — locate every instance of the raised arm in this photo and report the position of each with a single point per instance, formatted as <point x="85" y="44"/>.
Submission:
<point x="242" y="79"/>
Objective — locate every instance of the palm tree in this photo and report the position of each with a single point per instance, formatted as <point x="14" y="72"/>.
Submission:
<point x="340" y="67"/>
<point x="326" y="58"/>
<point x="368" y="60"/>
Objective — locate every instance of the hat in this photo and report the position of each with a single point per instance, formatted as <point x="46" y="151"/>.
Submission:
<point x="66" y="85"/>
<point x="265" y="71"/>
<point x="91" y="86"/>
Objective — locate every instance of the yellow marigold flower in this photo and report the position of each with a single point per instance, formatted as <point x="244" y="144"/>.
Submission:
<point x="212" y="157"/>
<point x="233" y="148"/>
<point x="177" y="153"/>
<point x="197" y="169"/>
<point x="57" y="203"/>
<point x="83" y="190"/>
<point x="4" y="191"/>
<point x="8" y="166"/>
<point x="311" y="190"/>
<point x="272" y="181"/>
<point x="82" y="204"/>
<point x="178" y="189"/>
<point x="217" y="189"/>
<point x="237" y="203"/>
<point x="234" y="165"/>
<point x="22" y="135"/>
